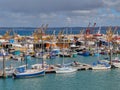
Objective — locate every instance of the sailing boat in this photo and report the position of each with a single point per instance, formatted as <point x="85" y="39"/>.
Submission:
<point x="116" y="61"/>
<point x="65" y="69"/>
<point x="22" y="72"/>
<point x="101" y="64"/>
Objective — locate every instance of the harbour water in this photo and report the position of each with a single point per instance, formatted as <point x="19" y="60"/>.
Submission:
<point x="67" y="30"/>
<point x="80" y="80"/>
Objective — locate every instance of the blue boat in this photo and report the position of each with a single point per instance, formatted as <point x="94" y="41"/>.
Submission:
<point x="86" y="53"/>
<point x="23" y="73"/>
<point x="56" y="51"/>
<point x="52" y="55"/>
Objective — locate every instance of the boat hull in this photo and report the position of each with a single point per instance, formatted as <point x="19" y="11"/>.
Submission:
<point x="67" y="55"/>
<point x="100" y="68"/>
<point x="65" y="70"/>
<point x="117" y="65"/>
<point x="29" y="75"/>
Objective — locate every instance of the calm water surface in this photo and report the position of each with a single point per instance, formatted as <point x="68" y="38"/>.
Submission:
<point x="81" y="80"/>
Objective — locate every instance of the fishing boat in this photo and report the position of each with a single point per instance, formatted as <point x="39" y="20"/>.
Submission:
<point x="22" y="72"/>
<point x="10" y="70"/>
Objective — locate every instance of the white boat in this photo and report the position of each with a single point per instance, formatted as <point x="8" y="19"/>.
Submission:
<point x="27" y="73"/>
<point x="116" y="62"/>
<point x="101" y="65"/>
<point x="9" y="71"/>
<point x="56" y="51"/>
<point x="63" y="70"/>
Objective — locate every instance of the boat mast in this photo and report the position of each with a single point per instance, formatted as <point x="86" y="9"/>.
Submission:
<point x="109" y="37"/>
<point x="4" y="73"/>
<point x="41" y="33"/>
<point x="25" y="53"/>
<point x="63" y="49"/>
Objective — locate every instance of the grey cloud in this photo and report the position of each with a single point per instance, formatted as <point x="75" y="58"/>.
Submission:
<point x="37" y="6"/>
<point x="114" y="4"/>
<point x="57" y="12"/>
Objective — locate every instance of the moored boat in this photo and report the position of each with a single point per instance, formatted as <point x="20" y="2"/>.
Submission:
<point x="63" y="70"/>
<point x="116" y="62"/>
<point x="27" y="73"/>
<point x="101" y="65"/>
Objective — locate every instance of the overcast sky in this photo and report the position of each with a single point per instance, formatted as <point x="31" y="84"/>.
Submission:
<point x="59" y="13"/>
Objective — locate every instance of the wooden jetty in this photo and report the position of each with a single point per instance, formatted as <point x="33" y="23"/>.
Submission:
<point x="50" y="71"/>
<point x="80" y="67"/>
<point x="1" y="74"/>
